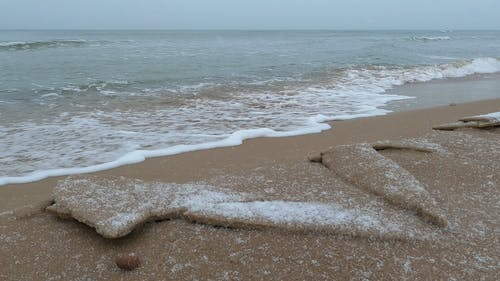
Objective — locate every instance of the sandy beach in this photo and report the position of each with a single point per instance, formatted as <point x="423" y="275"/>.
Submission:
<point x="284" y="231"/>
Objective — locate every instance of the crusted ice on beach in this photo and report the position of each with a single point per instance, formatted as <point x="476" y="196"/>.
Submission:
<point x="116" y="206"/>
<point x="324" y="217"/>
<point x="493" y="115"/>
<point x="421" y="145"/>
<point x="364" y="167"/>
<point x="478" y="121"/>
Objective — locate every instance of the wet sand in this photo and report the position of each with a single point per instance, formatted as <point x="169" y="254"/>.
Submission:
<point x="463" y="183"/>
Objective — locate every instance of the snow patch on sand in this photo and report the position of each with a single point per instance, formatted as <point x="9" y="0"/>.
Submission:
<point x="116" y="206"/>
<point x="301" y="213"/>
<point x="493" y="115"/>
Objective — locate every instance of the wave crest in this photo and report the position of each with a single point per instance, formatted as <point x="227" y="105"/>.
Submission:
<point x="387" y="78"/>
<point x="19" y="45"/>
<point x="430" y="38"/>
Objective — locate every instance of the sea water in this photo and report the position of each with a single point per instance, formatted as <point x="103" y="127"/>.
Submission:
<point x="82" y="101"/>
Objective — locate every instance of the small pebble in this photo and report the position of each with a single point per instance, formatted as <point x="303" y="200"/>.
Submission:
<point x="128" y="262"/>
<point x="315" y="157"/>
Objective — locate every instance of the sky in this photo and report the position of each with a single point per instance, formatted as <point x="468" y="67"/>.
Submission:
<point x="249" y="14"/>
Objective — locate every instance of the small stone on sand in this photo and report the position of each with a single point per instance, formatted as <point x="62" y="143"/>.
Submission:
<point x="128" y="262"/>
<point x="316" y="157"/>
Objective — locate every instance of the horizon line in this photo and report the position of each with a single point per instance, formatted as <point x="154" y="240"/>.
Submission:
<point x="251" y="29"/>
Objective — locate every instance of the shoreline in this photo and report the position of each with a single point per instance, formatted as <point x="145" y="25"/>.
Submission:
<point x="412" y="95"/>
<point x="441" y="92"/>
<point x="261" y="151"/>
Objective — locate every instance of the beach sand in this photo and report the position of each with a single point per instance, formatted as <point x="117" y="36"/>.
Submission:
<point x="460" y="177"/>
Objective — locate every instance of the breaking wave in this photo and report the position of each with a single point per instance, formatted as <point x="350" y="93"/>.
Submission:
<point x="20" y="46"/>
<point x="430" y="38"/>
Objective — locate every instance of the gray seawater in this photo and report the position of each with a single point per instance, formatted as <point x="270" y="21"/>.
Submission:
<point x="81" y="98"/>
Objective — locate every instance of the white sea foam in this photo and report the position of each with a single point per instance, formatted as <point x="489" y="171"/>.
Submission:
<point x="90" y="140"/>
<point x="137" y="156"/>
<point x="50" y="95"/>
<point x="439" y="57"/>
<point x="22" y="45"/>
<point x="391" y="77"/>
<point x="430" y="38"/>
<point x="13" y="43"/>
<point x="108" y="92"/>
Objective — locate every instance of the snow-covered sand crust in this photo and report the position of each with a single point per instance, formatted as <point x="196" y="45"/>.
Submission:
<point x="302" y="217"/>
<point x="420" y="145"/>
<point x="484" y="121"/>
<point x="493" y="115"/>
<point x="364" y="167"/>
<point x="116" y="206"/>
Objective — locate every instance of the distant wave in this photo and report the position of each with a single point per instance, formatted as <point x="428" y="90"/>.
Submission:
<point x="434" y="57"/>
<point x="19" y="45"/>
<point x="430" y="38"/>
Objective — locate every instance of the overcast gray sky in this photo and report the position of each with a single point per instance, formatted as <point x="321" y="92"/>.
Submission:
<point x="250" y="14"/>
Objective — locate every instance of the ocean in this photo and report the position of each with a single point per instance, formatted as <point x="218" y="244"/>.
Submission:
<point x="83" y="101"/>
